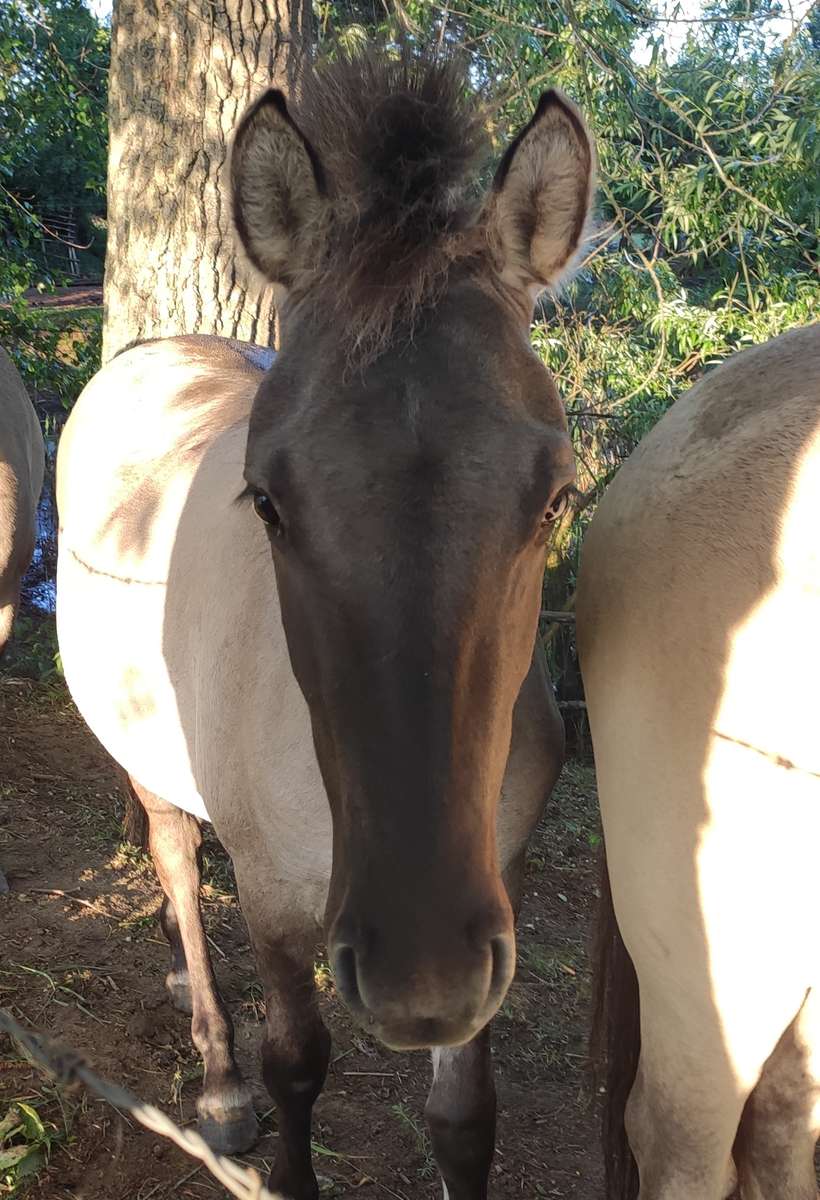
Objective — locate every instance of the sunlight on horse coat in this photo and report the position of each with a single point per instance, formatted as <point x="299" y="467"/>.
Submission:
<point x="699" y="632"/>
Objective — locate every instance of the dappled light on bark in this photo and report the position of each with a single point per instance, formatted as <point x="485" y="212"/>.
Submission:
<point x="181" y="75"/>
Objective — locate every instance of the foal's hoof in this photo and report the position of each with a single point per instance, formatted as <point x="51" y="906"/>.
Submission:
<point x="178" y="986"/>
<point x="228" y="1130"/>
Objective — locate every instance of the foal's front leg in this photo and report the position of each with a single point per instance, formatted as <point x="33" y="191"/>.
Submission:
<point x="296" y="1047"/>
<point x="460" y="1115"/>
<point x="461" y="1107"/>
<point x="226" y="1117"/>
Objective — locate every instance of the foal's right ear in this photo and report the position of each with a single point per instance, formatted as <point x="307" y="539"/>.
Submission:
<point x="278" y="190"/>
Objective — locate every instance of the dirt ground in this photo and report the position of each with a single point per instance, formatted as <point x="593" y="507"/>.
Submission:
<point x="82" y="957"/>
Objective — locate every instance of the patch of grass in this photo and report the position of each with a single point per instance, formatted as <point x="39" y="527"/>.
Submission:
<point x="421" y="1137"/>
<point x="32" y="652"/>
<point x="182" y="1076"/>
<point x="217" y="869"/>
<point x="101" y="824"/>
<point x="133" y="856"/>
<point x="56" y="350"/>
<point x="322" y="974"/>
<point x="253" y="1000"/>
<point x="138" y="921"/>
<point x="326" y="1152"/>
<point x="552" y="967"/>
<point x="55" y="990"/>
<point x="570" y="832"/>
<point x="25" y="1145"/>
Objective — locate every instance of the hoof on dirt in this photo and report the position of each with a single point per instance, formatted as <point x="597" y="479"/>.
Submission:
<point x="231" y="1130"/>
<point x="178" y="986"/>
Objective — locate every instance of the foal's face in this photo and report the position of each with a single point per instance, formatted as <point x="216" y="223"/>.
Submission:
<point x="409" y="503"/>
<point x="408" y="514"/>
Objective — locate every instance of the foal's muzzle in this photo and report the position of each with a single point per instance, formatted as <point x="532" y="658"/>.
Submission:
<point x="423" y="998"/>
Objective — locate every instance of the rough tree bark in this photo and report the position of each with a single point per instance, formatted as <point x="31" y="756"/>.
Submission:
<point x="182" y="71"/>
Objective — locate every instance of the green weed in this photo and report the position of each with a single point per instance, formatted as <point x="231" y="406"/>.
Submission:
<point x="421" y="1138"/>
<point x="25" y="1145"/>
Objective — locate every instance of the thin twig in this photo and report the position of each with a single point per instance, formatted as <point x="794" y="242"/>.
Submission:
<point x="32" y="216"/>
<point x="55" y="892"/>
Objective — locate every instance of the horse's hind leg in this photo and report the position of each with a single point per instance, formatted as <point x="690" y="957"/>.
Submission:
<point x="296" y="1047"/>
<point x="178" y="979"/>
<point x="226" y="1117"/>
<point x="685" y="1104"/>
<point x="460" y="1114"/>
<point x="696" y="1078"/>
<point x="781" y="1122"/>
<point x="681" y="1128"/>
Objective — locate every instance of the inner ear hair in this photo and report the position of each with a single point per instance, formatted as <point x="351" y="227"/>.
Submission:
<point x="542" y="195"/>
<point x="277" y="189"/>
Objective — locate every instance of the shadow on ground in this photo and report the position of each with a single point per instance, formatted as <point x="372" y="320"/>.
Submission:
<point x="81" y="956"/>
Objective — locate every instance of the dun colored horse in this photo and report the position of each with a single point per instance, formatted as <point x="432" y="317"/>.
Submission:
<point x="22" y="462"/>
<point x="359" y="626"/>
<point x="699" y="633"/>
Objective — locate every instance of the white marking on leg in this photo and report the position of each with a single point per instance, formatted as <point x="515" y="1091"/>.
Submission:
<point x="436" y="1055"/>
<point x="224" y="1103"/>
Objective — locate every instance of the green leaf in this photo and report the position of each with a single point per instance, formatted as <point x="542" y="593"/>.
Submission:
<point x="31" y="1162"/>
<point x="10" y="1123"/>
<point x="35" y="1130"/>
<point x="13" y="1156"/>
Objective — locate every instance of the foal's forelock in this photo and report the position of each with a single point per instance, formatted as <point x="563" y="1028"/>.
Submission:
<point x="401" y="147"/>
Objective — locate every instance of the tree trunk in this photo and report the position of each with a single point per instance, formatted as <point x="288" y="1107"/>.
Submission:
<point x="182" y="72"/>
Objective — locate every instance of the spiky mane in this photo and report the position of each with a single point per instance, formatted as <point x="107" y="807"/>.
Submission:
<point x="401" y="141"/>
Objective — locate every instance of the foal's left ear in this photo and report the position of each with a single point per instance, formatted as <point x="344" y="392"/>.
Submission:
<point x="541" y="196"/>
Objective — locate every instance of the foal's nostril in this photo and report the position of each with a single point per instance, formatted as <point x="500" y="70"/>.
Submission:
<point x="503" y="951"/>
<point x="343" y="962"/>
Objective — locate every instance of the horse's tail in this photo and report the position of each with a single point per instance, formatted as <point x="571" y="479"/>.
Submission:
<point x="615" y="1042"/>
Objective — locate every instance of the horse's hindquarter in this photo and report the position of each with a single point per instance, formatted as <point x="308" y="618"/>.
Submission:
<point x="698" y="615"/>
<point x="167" y="612"/>
<point x="21" y="475"/>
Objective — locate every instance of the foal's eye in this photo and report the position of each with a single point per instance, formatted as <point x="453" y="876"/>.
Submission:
<point x="557" y="508"/>
<point x="265" y="509"/>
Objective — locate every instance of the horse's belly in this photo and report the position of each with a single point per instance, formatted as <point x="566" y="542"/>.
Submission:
<point x="757" y="853"/>
<point x="167" y="614"/>
<point x="756" y="858"/>
<point x="111" y="636"/>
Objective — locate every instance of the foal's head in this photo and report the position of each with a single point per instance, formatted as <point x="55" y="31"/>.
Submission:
<point x="409" y="456"/>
